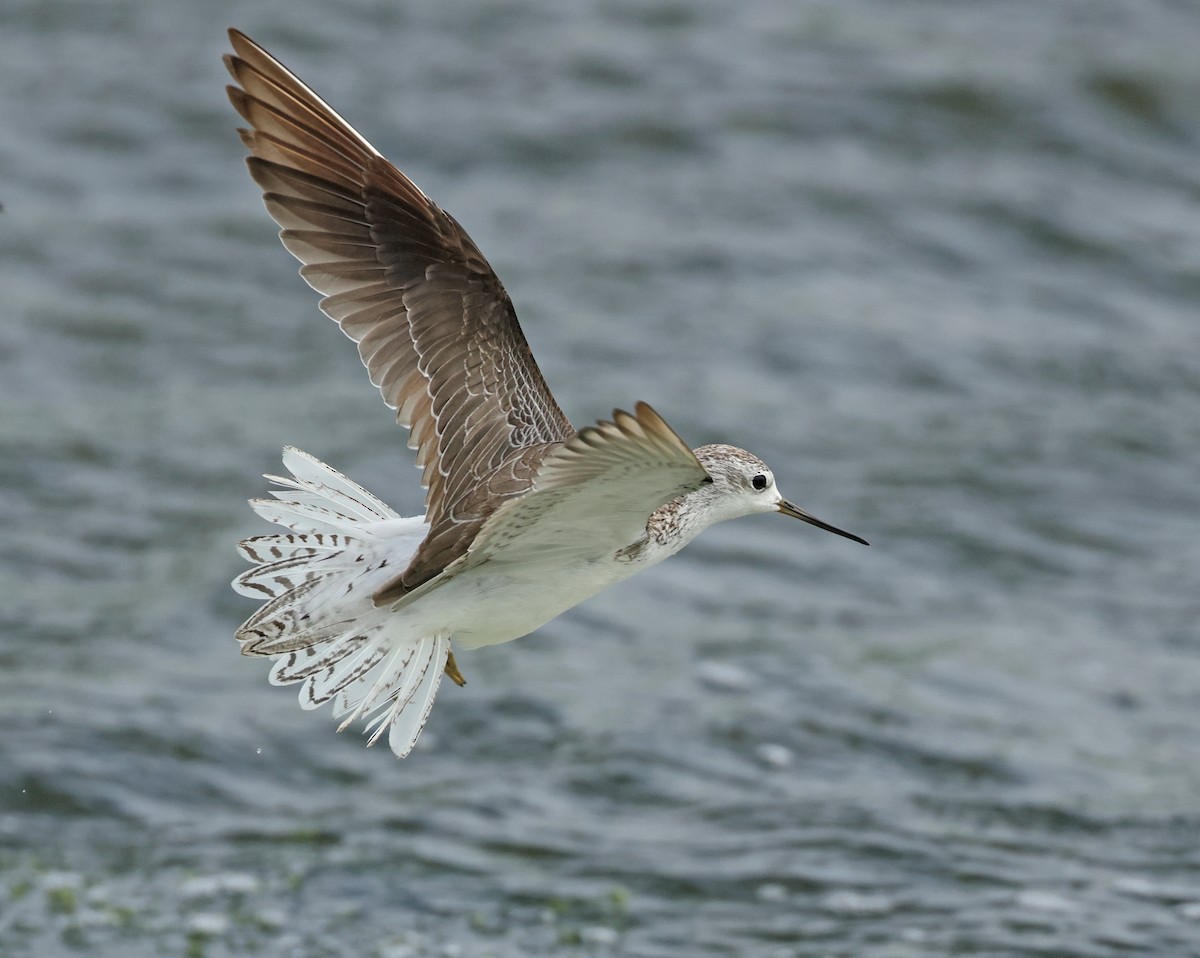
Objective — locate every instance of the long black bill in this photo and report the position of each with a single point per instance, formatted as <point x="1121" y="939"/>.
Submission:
<point x="797" y="513"/>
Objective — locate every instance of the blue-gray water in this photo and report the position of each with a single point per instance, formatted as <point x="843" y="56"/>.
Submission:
<point x="938" y="263"/>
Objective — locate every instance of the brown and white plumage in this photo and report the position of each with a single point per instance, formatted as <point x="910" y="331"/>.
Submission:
<point x="525" y="516"/>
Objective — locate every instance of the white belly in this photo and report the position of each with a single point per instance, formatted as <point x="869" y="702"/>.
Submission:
<point x="500" y="601"/>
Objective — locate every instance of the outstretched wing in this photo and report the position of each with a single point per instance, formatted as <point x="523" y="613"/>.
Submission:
<point x="590" y="496"/>
<point x="434" y="326"/>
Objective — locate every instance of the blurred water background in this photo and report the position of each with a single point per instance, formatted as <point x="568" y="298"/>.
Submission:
<point x="938" y="263"/>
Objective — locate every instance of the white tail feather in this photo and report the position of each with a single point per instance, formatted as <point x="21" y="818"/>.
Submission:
<point x="408" y="722"/>
<point x="318" y="620"/>
<point x="423" y="672"/>
<point x="301" y="516"/>
<point x="309" y="469"/>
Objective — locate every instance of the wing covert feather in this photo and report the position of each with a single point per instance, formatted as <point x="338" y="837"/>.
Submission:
<point x="591" y="494"/>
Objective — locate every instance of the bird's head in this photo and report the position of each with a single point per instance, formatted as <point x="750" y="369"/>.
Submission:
<point x="742" y="484"/>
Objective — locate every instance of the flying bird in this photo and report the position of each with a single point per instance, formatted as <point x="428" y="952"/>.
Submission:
<point x="525" y="515"/>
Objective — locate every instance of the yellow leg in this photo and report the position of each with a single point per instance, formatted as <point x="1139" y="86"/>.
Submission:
<point x="452" y="671"/>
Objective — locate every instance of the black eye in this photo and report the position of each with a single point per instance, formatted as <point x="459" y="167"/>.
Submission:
<point x="759" y="482"/>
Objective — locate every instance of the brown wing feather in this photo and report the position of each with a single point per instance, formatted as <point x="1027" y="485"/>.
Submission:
<point x="433" y="324"/>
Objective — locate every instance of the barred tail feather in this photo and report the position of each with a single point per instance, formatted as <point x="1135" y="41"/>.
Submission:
<point x="277" y="578"/>
<point x="274" y="548"/>
<point x="318" y="620"/>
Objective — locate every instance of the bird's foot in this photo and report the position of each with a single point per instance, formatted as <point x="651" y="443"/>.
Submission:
<point x="452" y="670"/>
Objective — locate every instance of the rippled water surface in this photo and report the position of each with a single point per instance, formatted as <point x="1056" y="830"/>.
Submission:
<point x="939" y="263"/>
